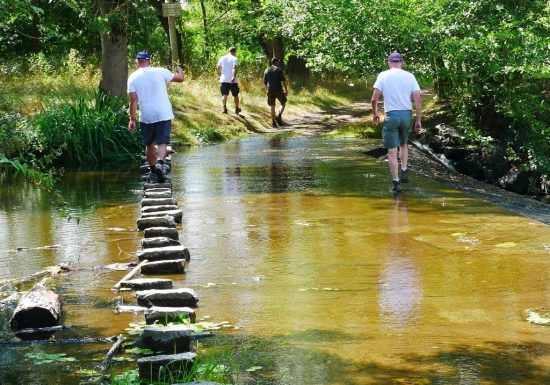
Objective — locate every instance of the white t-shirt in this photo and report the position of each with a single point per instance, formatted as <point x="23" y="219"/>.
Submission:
<point x="149" y="84"/>
<point x="227" y="63"/>
<point x="397" y="86"/>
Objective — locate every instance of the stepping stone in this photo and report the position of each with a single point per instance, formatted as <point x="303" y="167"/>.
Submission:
<point x="163" y="315"/>
<point x="172" y="266"/>
<point x="148" y="243"/>
<point x="162" y="253"/>
<point x="157" y="194"/>
<point x="151" y="209"/>
<point x="168" y="232"/>
<point x="148" y="283"/>
<point x="159" y="189"/>
<point x="157" y="201"/>
<point x="156" y="221"/>
<point x="176" y="214"/>
<point x="147" y="186"/>
<point x="183" y="297"/>
<point x="168" y="339"/>
<point x="159" y="367"/>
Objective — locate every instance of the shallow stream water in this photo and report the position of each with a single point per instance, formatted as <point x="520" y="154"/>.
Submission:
<point x="298" y="241"/>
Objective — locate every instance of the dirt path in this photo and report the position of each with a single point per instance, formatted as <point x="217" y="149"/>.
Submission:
<point x="325" y="121"/>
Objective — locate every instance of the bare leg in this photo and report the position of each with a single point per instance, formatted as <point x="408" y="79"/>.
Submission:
<point x="162" y="152"/>
<point x="272" y="112"/>
<point x="392" y="161"/>
<point x="224" y="100"/>
<point x="151" y="153"/>
<point x="404" y="155"/>
<point x="282" y="109"/>
<point x="236" y="100"/>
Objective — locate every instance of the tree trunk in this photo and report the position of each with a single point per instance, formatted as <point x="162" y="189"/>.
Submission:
<point x="114" y="50"/>
<point x="205" y="28"/>
<point x="157" y="4"/>
<point x="273" y="48"/>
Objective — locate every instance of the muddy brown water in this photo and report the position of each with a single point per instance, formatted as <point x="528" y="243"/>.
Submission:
<point x="298" y="241"/>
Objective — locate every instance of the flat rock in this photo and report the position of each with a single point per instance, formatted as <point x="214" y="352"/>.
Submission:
<point x="171" y="266"/>
<point x="159" y="367"/>
<point x="168" y="339"/>
<point x="163" y="315"/>
<point x="157" y="194"/>
<point x="158" y="220"/>
<point x="149" y="243"/>
<point x="162" y="253"/>
<point x="148" y="283"/>
<point x="154" y="232"/>
<point x="157" y="201"/>
<point x="176" y="214"/>
<point x="150" y="209"/>
<point x="182" y="297"/>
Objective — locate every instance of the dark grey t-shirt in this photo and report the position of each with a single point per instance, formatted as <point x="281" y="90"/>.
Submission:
<point x="273" y="76"/>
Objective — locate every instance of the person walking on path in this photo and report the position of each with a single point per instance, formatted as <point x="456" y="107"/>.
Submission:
<point x="397" y="86"/>
<point x="227" y="66"/>
<point x="147" y="87"/>
<point x="275" y="84"/>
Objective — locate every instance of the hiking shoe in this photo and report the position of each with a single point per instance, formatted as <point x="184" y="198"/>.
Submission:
<point x="279" y="119"/>
<point x="274" y="123"/>
<point x="395" y="186"/>
<point x="404" y="176"/>
<point x="159" y="173"/>
<point x="224" y="109"/>
<point x="237" y="110"/>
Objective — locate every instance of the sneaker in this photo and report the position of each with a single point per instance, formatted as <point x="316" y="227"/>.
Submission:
<point x="279" y="119"/>
<point x="274" y="123"/>
<point x="159" y="173"/>
<point x="404" y="176"/>
<point x="224" y="109"/>
<point x="237" y="110"/>
<point x="395" y="186"/>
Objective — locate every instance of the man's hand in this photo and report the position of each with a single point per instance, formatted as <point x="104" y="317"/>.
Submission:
<point x="132" y="125"/>
<point x="376" y="119"/>
<point x="418" y="126"/>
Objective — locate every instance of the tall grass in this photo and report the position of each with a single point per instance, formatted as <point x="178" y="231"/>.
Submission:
<point x="89" y="131"/>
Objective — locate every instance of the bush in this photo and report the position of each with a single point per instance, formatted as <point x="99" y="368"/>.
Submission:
<point x="89" y="131"/>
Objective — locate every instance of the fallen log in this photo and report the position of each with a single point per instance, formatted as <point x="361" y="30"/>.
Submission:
<point x="38" y="308"/>
<point x="106" y="362"/>
<point x="45" y="330"/>
<point x="130" y="275"/>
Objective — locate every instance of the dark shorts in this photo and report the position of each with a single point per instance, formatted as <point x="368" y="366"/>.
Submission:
<point x="396" y="129"/>
<point x="272" y="95"/>
<point x="226" y="87"/>
<point x="158" y="132"/>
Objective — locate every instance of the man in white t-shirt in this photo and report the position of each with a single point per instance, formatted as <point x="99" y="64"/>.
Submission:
<point x="227" y="66"/>
<point x="147" y="87"/>
<point x="397" y="86"/>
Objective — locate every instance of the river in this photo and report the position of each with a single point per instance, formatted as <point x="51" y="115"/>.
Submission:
<point x="299" y="242"/>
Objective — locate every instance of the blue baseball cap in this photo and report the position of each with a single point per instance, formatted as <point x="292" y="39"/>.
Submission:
<point x="143" y="55"/>
<point x="395" y="57"/>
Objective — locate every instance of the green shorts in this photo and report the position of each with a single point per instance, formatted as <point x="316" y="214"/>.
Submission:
<point x="397" y="127"/>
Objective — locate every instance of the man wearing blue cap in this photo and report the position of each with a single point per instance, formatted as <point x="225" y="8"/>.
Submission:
<point x="397" y="86"/>
<point x="147" y="87"/>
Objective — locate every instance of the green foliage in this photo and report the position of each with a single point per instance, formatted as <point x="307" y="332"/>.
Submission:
<point x="211" y="134"/>
<point x="88" y="131"/>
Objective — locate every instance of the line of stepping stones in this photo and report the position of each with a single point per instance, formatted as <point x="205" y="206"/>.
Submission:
<point x="162" y="253"/>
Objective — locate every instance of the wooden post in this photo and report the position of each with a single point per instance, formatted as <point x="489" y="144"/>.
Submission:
<point x="130" y="275"/>
<point x="171" y="12"/>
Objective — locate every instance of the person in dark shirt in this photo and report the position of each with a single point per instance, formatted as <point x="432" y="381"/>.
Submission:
<point x="275" y="83"/>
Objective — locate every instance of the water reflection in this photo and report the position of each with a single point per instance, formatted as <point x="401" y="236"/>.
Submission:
<point x="400" y="288"/>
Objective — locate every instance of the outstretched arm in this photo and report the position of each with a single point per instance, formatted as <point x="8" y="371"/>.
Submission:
<point x="178" y="76"/>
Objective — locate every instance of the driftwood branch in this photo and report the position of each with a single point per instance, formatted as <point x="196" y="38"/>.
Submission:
<point x="130" y="275"/>
<point x="45" y="330"/>
<point x="106" y="362"/>
<point x="85" y="340"/>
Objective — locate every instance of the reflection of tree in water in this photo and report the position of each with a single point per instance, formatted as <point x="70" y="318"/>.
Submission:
<point x="400" y="291"/>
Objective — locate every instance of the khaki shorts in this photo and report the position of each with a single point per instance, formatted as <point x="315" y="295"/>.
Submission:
<point x="272" y="95"/>
<point x="397" y="127"/>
